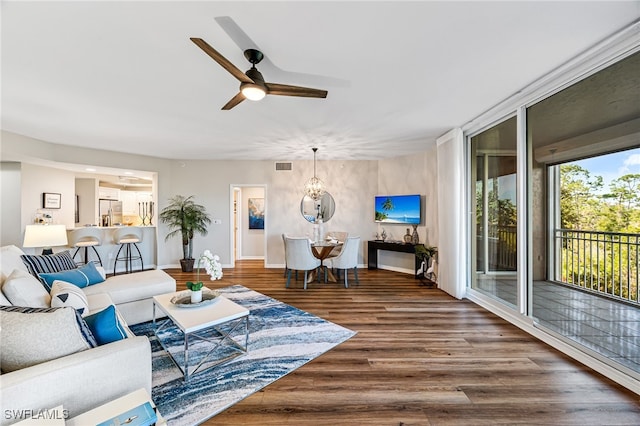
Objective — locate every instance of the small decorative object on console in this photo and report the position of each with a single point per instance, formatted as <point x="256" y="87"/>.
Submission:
<point x="415" y="238"/>
<point x="407" y="237"/>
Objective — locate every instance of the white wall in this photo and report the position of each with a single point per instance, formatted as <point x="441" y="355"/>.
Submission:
<point x="353" y="185"/>
<point x="86" y="192"/>
<point x="412" y="174"/>
<point x="10" y="193"/>
<point x="37" y="180"/>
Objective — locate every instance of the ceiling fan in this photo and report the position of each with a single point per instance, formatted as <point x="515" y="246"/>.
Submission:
<point x="252" y="84"/>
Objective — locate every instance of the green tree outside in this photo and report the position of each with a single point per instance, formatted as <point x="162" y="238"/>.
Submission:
<point x="600" y="241"/>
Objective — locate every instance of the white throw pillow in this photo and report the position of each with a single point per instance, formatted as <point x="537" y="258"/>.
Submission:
<point x="66" y="294"/>
<point x="23" y="289"/>
<point x="10" y="260"/>
<point x="102" y="272"/>
<point x="3" y="300"/>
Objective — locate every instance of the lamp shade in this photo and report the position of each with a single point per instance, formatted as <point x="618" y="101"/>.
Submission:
<point x="45" y="236"/>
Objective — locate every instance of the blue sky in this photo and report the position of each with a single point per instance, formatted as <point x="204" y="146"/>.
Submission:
<point x="612" y="166"/>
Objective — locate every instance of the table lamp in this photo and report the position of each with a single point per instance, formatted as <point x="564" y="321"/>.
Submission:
<point x="45" y="236"/>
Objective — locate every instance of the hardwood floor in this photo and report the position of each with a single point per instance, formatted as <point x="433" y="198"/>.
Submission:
<point x="420" y="357"/>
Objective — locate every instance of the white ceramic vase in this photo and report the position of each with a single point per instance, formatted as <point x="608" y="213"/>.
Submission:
<point x="196" y="296"/>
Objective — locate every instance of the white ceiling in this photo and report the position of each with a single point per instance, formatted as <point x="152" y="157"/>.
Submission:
<point x="124" y="75"/>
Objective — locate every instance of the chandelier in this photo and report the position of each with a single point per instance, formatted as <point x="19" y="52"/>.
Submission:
<point x="314" y="187"/>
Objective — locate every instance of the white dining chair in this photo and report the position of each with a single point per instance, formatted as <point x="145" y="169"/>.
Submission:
<point x="299" y="257"/>
<point x="347" y="259"/>
<point x="286" y="268"/>
<point x="341" y="237"/>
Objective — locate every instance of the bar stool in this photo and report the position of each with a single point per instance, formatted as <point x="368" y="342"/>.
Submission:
<point x="127" y="237"/>
<point x="83" y="238"/>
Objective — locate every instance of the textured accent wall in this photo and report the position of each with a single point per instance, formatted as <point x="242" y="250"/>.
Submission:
<point x="411" y="174"/>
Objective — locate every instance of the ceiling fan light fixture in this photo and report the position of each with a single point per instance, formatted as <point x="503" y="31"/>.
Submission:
<point x="252" y="84"/>
<point x="253" y="92"/>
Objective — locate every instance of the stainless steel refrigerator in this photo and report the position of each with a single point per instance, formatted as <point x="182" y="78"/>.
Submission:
<point x="110" y="212"/>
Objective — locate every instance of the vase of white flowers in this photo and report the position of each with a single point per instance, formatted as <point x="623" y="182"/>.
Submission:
<point x="211" y="263"/>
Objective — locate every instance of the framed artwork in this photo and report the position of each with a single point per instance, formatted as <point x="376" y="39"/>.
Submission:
<point x="256" y="213"/>
<point x="51" y="200"/>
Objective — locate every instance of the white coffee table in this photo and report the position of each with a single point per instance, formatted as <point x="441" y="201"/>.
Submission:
<point x="213" y="323"/>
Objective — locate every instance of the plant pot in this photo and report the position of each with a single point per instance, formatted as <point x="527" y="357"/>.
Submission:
<point x="187" y="265"/>
<point x="196" y="296"/>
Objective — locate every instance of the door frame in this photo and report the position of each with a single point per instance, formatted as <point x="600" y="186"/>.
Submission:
<point x="235" y="215"/>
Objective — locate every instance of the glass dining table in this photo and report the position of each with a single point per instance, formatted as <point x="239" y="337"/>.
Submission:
<point x="322" y="250"/>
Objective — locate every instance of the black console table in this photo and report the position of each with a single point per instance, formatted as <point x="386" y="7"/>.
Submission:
<point x="375" y="245"/>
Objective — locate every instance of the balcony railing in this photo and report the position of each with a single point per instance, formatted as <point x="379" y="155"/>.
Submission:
<point x="606" y="263"/>
<point x="502" y="252"/>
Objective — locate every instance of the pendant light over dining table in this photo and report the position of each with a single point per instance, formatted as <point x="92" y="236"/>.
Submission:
<point x="314" y="187"/>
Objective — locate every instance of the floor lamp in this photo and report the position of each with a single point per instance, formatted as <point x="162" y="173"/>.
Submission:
<point x="45" y="236"/>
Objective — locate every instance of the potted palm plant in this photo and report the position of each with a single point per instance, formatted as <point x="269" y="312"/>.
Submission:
<point x="185" y="217"/>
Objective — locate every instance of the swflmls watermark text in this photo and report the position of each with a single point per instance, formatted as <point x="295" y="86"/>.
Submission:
<point x="53" y="414"/>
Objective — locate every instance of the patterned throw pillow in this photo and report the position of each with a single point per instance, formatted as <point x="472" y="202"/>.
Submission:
<point x="31" y="336"/>
<point x="81" y="277"/>
<point x="47" y="263"/>
<point x="67" y="294"/>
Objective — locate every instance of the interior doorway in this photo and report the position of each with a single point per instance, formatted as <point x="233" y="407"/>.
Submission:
<point x="248" y="222"/>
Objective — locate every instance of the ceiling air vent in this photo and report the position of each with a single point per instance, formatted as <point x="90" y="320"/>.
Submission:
<point x="283" y="166"/>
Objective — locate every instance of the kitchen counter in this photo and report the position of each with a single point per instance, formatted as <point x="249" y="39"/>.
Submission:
<point x="109" y="248"/>
<point x="111" y="227"/>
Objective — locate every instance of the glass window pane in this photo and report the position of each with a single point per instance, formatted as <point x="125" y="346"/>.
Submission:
<point x="494" y="185"/>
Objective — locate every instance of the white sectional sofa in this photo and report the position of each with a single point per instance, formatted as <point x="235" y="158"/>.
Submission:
<point x="86" y="379"/>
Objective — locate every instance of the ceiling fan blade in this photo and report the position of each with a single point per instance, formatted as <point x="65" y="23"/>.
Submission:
<point x="224" y="62"/>
<point x="287" y="90"/>
<point x="234" y="101"/>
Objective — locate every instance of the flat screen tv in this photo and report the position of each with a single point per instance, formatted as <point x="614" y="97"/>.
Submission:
<point x="398" y="209"/>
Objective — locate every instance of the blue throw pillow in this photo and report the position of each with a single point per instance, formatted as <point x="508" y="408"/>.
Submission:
<point x="81" y="277"/>
<point x="105" y="327"/>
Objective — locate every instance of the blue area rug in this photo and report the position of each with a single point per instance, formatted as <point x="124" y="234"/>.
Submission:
<point x="281" y="339"/>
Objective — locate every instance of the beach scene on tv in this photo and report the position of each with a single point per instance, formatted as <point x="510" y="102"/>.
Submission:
<point x="398" y="209"/>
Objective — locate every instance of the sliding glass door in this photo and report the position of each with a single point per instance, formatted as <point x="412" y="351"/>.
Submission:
<point x="584" y="142"/>
<point x="563" y="175"/>
<point x="493" y="154"/>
